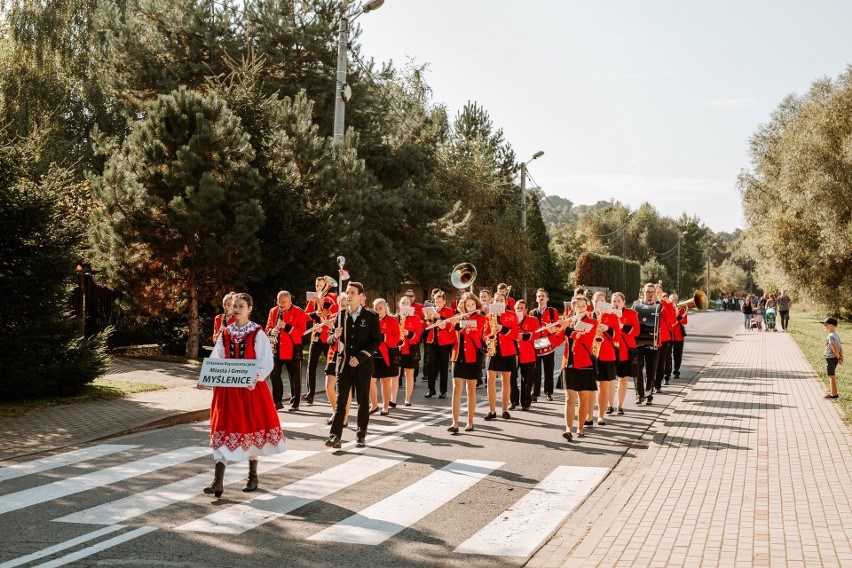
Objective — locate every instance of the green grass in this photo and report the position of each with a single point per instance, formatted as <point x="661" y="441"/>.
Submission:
<point x="99" y="389"/>
<point x="808" y="332"/>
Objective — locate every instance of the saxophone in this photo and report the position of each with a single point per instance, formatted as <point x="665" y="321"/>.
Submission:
<point x="597" y="341"/>
<point x="402" y="331"/>
<point x="273" y="333"/>
<point x="492" y="341"/>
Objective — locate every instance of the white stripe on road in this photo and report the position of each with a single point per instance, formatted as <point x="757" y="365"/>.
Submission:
<point x="159" y="497"/>
<point x="65" y="487"/>
<point x="60" y="460"/>
<point x="295" y="425"/>
<point x="523" y="527"/>
<point x="100" y="547"/>
<point x="51" y="550"/>
<point x="379" y="522"/>
<point x="264" y="508"/>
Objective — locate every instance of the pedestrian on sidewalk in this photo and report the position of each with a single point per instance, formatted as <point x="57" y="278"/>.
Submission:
<point x="243" y="420"/>
<point x="747" y="309"/>
<point x="784" y="309"/>
<point x="833" y="355"/>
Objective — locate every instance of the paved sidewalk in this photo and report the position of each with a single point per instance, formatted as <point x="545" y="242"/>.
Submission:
<point x="70" y="425"/>
<point x="751" y="468"/>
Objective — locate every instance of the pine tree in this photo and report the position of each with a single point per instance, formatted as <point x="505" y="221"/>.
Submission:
<point x="179" y="211"/>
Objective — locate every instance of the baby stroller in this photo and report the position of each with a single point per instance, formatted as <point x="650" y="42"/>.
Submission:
<point x="757" y="320"/>
<point x="769" y="319"/>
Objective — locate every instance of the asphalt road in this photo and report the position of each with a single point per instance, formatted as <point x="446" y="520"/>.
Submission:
<point x="416" y="496"/>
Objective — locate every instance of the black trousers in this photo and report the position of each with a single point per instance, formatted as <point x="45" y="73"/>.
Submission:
<point x="438" y="362"/>
<point x="544" y="365"/>
<point x="359" y="378"/>
<point x="785" y="319"/>
<point x="677" y="356"/>
<point x="294" y="369"/>
<point x="315" y="351"/>
<point x="524" y="394"/>
<point x="664" y="365"/>
<point x="644" y="381"/>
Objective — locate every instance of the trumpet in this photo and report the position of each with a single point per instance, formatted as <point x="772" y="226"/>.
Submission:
<point x="698" y="301"/>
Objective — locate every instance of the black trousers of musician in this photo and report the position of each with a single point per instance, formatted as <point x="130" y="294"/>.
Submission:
<point x="543" y="364"/>
<point x="664" y="365"/>
<point x="677" y="356"/>
<point x="294" y="369"/>
<point x="523" y="395"/>
<point x="315" y="351"/>
<point x="438" y="362"/>
<point x="359" y="378"/>
<point x="647" y="372"/>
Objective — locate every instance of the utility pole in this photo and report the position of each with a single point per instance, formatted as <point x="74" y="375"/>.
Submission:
<point x="339" y="92"/>
<point x="679" y="239"/>
<point x="708" y="270"/>
<point x="524" y="196"/>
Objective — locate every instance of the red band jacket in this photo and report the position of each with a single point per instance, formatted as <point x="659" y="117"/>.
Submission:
<point x="389" y="328"/>
<point x="445" y="333"/>
<point x="413" y="331"/>
<point x="508" y="334"/>
<point x="581" y="344"/>
<point x="610" y="337"/>
<point x="527" y="335"/>
<point x="677" y="329"/>
<point x="469" y="340"/>
<point x="290" y="337"/>
<point x="328" y="308"/>
<point x="217" y="323"/>
<point x="667" y="320"/>
<point x="629" y="330"/>
<point x="546" y="316"/>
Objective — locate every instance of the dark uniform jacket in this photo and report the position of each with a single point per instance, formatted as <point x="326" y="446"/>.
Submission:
<point x="362" y="338"/>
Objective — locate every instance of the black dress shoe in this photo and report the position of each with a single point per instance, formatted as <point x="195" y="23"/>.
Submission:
<point x="491" y="416"/>
<point x="360" y="441"/>
<point x="279" y="406"/>
<point x="329" y="421"/>
<point x="589" y="423"/>
<point x="649" y="400"/>
<point x="333" y="442"/>
<point x="513" y="407"/>
<point x="442" y="395"/>
<point x="293" y="409"/>
<point x="429" y="394"/>
<point x="309" y="400"/>
<point x="525" y="408"/>
<point x="832" y="396"/>
<point x="374" y="410"/>
<point x="304" y="397"/>
<point x="534" y="399"/>
<point x="506" y="415"/>
<point x="453" y="429"/>
<point x="392" y="404"/>
<point x="550" y="397"/>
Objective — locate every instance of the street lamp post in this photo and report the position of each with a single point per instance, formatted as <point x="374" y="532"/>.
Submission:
<point x="535" y="156"/>
<point x="342" y="92"/>
<point x="708" y="269"/>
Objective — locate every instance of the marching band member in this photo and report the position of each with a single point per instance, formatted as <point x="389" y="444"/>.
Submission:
<point x="439" y="345"/>
<point x="386" y="358"/>
<point x="628" y="360"/>
<point x="319" y="310"/>
<point x="331" y="383"/>
<point x="648" y="311"/>
<point x="607" y="338"/>
<point x="502" y="330"/>
<point x="668" y="318"/>
<point x="545" y="362"/>
<point x="285" y="328"/>
<point x="467" y="353"/>
<point x="409" y="350"/>
<point x="528" y="333"/>
<point x="485" y="300"/>
<point x="243" y="421"/>
<point x="678" y="336"/>
<point x="578" y="374"/>
<point x="502" y="288"/>
<point x="228" y="312"/>
<point x="357" y="335"/>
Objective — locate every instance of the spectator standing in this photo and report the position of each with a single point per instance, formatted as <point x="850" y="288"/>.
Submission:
<point x="747" y="310"/>
<point x="833" y="355"/>
<point x="784" y="309"/>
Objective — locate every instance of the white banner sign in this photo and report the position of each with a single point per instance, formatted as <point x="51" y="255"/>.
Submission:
<point x="228" y="373"/>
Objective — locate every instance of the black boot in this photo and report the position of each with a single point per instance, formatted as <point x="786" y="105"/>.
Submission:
<point x="218" y="485"/>
<point x="251" y="482"/>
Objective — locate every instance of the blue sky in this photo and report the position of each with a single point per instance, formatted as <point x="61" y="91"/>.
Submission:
<point x="650" y="100"/>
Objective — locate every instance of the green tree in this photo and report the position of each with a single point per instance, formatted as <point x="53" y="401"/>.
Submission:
<point x="45" y="354"/>
<point x="178" y="211"/>
<point x="801" y="180"/>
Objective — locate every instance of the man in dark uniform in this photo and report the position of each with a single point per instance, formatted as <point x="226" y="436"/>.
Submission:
<point x="358" y="334"/>
<point x="647" y="343"/>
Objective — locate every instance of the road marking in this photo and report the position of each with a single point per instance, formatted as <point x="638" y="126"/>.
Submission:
<point x="295" y="425"/>
<point x="264" y="508"/>
<point x="523" y="527"/>
<point x="66" y="487"/>
<point x="100" y="547"/>
<point x="51" y="550"/>
<point x="379" y="522"/>
<point x="159" y="497"/>
<point x="60" y="460"/>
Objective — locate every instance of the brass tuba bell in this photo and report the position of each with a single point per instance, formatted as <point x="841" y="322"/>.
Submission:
<point x="327" y="285"/>
<point x="463" y="276"/>
<point x="698" y="301"/>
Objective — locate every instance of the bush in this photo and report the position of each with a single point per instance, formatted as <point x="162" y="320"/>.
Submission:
<point x="607" y="272"/>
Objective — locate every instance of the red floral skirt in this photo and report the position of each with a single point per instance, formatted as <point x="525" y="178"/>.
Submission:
<point x="244" y="423"/>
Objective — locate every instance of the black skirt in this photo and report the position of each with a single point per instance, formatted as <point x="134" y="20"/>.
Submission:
<point x="579" y="379"/>
<point x="606" y="370"/>
<point x="467" y="371"/>
<point x="629" y="368"/>
<point x="408" y="361"/>
<point x="382" y="370"/>
<point x="500" y="363"/>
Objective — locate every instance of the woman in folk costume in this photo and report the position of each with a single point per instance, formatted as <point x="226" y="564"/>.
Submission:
<point x="243" y="421"/>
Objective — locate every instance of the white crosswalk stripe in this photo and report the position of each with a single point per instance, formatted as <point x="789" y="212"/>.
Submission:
<point x="60" y="460"/>
<point x="255" y="512"/>
<point x="99" y="547"/>
<point x="377" y="523"/>
<point x="139" y="504"/>
<point x="522" y="528"/>
<point x="42" y="494"/>
<point x="51" y="550"/>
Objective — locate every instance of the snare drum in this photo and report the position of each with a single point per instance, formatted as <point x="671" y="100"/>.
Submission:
<point x="543" y="347"/>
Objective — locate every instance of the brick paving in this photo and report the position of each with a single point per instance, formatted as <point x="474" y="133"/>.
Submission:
<point x="752" y="467"/>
